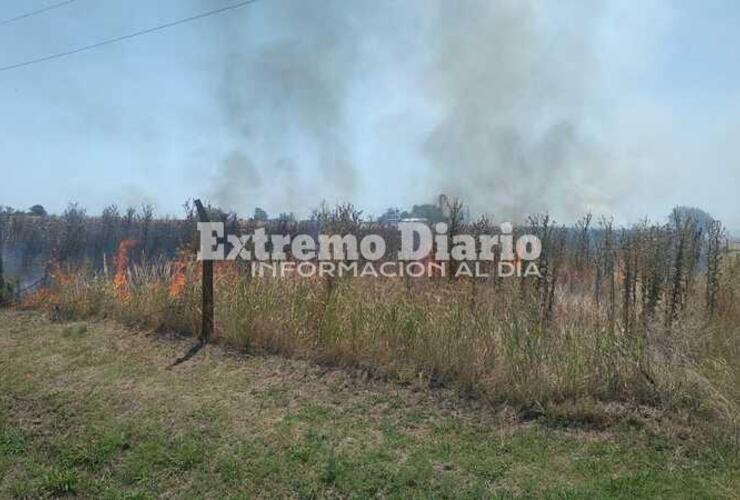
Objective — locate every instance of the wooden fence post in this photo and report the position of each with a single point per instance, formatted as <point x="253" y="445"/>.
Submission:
<point x="207" y="319"/>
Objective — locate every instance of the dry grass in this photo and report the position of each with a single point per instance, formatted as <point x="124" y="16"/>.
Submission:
<point x="645" y="315"/>
<point x="486" y="339"/>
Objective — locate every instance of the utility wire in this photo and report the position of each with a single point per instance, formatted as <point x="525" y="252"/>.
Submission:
<point x="40" y="11"/>
<point x="127" y="37"/>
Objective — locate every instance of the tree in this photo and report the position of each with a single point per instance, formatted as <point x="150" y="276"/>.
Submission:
<point x="287" y="217"/>
<point x="391" y="215"/>
<point x="37" y="210"/>
<point x="6" y="289"/>
<point x="2" y="278"/>
<point x="701" y="218"/>
<point x="74" y="241"/>
<point x="260" y="215"/>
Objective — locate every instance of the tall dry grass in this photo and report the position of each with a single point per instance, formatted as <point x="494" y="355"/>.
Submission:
<point x="589" y="329"/>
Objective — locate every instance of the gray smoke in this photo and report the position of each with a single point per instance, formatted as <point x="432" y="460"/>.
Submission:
<point x="510" y="84"/>
<point x="283" y="96"/>
<point x="235" y="178"/>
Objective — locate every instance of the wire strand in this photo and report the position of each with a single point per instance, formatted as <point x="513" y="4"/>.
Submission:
<point x="129" y="36"/>
<point x="35" y="12"/>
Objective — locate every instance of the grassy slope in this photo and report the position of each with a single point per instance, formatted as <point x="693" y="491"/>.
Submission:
<point x="91" y="408"/>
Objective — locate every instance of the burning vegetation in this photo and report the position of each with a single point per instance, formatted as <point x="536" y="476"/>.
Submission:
<point x="647" y="314"/>
<point x="121" y="278"/>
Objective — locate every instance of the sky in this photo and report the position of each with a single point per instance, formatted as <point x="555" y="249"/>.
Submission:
<point x="618" y="108"/>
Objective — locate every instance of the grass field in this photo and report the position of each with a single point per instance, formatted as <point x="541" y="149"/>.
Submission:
<point x="91" y="409"/>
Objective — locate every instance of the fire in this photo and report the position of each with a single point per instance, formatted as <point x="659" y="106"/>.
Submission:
<point x="43" y="297"/>
<point x="49" y="294"/>
<point x="120" y="280"/>
<point x="179" y="275"/>
<point x="59" y="276"/>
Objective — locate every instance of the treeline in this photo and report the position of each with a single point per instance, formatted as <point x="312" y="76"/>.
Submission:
<point x="77" y="237"/>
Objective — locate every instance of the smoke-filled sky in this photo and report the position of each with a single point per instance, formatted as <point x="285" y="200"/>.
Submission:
<point x="614" y="107"/>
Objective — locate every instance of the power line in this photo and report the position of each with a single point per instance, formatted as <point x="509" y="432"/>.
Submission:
<point x="40" y="11"/>
<point x="127" y="37"/>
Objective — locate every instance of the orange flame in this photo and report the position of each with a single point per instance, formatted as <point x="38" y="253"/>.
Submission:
<point x="120" y="280"/>
<point x="48" y="296"/>
<point x="179" y="275"/>
<point x="59" y="276"/>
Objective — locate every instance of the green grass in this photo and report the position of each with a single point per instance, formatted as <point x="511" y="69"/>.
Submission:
<point x="92" y="410"/>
